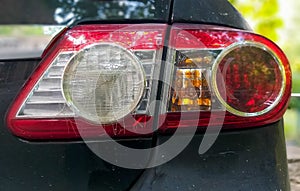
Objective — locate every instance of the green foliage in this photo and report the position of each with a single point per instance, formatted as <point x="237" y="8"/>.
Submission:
<point x="21" y="30"/>
<point x="262" y="15"/>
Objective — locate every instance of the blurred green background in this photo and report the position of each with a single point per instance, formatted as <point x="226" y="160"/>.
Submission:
<point x="278" y="20"/>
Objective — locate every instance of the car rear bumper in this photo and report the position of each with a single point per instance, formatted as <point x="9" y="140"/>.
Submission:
<point x="244" y="160"/>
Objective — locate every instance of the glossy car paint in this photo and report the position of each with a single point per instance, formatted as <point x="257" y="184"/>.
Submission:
<point x="219" y="12"/>
<point x="243" y="160"/>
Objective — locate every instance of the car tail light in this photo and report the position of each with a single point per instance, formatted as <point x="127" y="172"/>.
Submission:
<point x="92" y="75"/>
<point x="226" y="77"/>
<point x="104" y="75"/>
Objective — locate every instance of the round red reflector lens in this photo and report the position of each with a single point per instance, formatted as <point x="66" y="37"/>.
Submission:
<point x="248" y="79"/>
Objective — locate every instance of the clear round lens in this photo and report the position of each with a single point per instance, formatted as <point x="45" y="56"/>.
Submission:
<point x="248" y="78"/>
<point x="103" y="83"/>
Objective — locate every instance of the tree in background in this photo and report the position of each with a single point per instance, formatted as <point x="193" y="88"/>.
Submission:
<point x="263" y="16"/>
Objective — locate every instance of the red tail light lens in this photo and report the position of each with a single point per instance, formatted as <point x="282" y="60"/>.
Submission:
<point x="92" y="75"/>
<point x="249" y="79"/>
<point x="102" y="75"/>
<point x="220" y="71"/>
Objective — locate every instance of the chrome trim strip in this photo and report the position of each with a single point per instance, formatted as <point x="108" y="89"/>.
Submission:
<point x="296" y="95"/>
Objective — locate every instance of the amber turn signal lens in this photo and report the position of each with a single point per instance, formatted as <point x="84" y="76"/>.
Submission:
<point x="191" y="89"/>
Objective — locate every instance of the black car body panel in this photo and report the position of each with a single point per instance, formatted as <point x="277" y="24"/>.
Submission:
<point x="67" y="12"/>
<point x="218" y="12"/>
<point x="243" y="160"/>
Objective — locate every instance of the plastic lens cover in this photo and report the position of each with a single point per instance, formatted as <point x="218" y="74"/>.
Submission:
<point x="103" y="83"/>
<point x="249" y="79"/>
